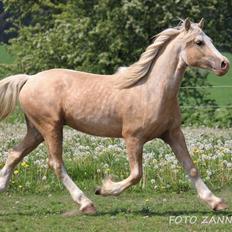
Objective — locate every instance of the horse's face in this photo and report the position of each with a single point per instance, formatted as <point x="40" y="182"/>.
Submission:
<point x="199" y="51"/>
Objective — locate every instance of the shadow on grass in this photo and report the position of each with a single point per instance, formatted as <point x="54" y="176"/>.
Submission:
<point x="33" y="213"/>
<point x="122" y="211"/>
<point x="149" y="212"/>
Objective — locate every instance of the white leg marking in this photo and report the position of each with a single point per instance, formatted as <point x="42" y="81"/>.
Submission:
<point x="5" y="175"/>
<point x="202" y="189"/>
<point x="204" y="193"/>
<point x="77" y="195"/>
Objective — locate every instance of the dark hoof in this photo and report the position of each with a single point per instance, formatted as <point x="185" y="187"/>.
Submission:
<point x="98" y="191"/>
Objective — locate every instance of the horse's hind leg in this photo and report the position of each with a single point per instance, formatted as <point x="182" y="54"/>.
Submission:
<point x="32" y="139"/>
<point x="53" y="140"/>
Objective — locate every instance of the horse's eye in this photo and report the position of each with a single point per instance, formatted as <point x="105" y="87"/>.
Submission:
<point x="200" y="42"/>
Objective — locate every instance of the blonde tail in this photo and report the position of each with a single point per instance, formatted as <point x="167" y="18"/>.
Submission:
<point x="9" y="92"/>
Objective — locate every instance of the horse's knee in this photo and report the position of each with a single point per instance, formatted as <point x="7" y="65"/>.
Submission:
<point x="56" y="166"/>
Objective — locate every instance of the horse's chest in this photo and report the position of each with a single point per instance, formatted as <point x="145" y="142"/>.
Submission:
<point x="157" y="122"/>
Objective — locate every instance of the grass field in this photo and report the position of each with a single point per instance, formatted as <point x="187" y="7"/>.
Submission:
<point x="89" y="159"/>
<point x="36" y="200"/>
<point x="130" y="212"/>
<point x="223" y="96"/>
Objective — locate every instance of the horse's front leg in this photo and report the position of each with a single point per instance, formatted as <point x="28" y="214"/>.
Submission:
<point x="175" y="139"/>
<point x="134" y="150"/>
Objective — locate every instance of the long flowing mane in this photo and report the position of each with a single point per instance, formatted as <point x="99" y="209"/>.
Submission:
<point x="127" y="77"/>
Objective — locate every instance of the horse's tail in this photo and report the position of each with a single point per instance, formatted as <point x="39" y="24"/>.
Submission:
<point x="9" y="92"/>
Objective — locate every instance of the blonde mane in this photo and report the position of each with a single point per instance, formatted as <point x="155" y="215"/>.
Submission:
<point x="129" y="76"/>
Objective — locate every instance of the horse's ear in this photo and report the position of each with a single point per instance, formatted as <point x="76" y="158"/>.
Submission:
<point x="187" y="24"/>
<point x="201" y="23"/>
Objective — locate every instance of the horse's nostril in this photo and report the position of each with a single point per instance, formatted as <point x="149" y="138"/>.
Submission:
<point x="223" y="65"/>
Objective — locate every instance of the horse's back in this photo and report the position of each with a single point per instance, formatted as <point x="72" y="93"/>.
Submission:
<point x="84" y="101"/>
<point x="57" y="83"/>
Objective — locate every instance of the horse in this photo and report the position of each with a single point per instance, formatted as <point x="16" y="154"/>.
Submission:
<point x="138" y="103"/>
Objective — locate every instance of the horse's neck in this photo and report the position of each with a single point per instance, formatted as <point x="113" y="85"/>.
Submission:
<point x="166" y="74"/>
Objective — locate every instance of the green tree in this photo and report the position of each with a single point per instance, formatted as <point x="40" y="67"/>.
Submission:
<point x="98" y="36"/>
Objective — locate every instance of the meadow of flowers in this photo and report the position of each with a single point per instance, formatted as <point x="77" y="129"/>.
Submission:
<point x="90" y="159"/>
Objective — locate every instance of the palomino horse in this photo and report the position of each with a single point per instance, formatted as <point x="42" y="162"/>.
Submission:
<point x="138" y="103"/>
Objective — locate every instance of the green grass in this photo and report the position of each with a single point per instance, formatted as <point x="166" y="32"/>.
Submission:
<point x="223" y="96"/>
<point x="5" y="57"/>
<point x="128" y="212"/>
<point x="34" y="203"/>
<point x="90" y="159"/>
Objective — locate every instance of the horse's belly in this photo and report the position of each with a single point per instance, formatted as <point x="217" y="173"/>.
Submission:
<point x="104" y="126"/>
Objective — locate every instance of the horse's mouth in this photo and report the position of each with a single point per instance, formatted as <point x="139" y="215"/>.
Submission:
<point x="222" y="68"/>
<point x="220" y="72"/>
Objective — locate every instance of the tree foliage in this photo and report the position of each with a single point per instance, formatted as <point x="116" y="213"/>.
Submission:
<point x="98" y="36"/>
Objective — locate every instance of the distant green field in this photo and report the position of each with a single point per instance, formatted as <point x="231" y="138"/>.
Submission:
<point x="5" y="57"/>
<point x="223" y="96"/>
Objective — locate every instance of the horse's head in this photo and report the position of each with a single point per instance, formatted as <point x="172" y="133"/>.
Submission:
<point x="199" y="51"/>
